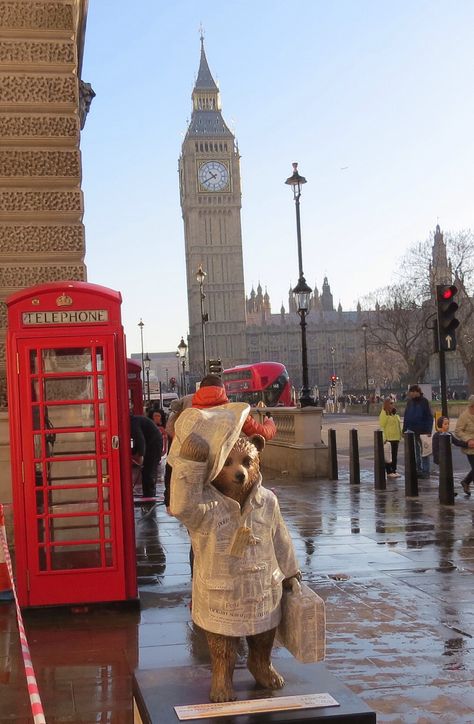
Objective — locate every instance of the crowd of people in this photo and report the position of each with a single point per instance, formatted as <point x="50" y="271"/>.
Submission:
<point x="418" y="419"/>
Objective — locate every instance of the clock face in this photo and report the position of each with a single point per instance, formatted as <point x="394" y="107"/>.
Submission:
<point x="213" y="176"/>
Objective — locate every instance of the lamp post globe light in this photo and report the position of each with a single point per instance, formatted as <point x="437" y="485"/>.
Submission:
<point x="200" y="277"/>
<point x="182" y="349"/>
<point x="147" y="362"/>
<point x="302" y="291"/>
<point x="141" y="324"/>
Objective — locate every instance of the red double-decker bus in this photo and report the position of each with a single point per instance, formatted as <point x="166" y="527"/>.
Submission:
<point x="263" y="381"/>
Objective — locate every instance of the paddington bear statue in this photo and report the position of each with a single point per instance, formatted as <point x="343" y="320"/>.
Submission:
<point x="242" y="550"/>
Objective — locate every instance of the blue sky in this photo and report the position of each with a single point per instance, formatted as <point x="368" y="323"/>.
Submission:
<point x="382" y="88"/>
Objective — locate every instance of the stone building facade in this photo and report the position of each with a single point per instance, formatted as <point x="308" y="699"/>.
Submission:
<point x="43" y="103"/>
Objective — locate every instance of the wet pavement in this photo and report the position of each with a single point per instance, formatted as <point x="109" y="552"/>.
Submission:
<point x="397" y="576"/>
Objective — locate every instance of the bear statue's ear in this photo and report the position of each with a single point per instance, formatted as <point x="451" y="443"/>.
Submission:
<point x="258" y="441"/>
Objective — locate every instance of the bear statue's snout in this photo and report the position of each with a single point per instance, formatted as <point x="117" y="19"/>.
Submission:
<point x="240" y="476"/>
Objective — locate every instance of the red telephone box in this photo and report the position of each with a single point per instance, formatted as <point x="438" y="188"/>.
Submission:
<point x="135" y="387"/>
<point x="70" y="445"/>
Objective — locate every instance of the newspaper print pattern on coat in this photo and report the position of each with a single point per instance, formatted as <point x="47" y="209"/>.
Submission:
<point x="240" y="594"/>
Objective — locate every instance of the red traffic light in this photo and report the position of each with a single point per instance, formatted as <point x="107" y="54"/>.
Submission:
<point x="446" y="293"/>
<point x="334" y="378"/>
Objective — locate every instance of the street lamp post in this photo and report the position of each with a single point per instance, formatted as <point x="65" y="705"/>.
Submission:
<point x="147" y="362"/>
<point x="302" y="291"/>
<point x="182" y="349"/>
<point x="141" y="325"/>
<point x="333" y="352"/>
<point x="200" y="276"/>
<point x="364" y="329"/>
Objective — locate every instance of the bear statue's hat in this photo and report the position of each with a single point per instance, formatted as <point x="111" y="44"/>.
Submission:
<point x="219" y="426"/>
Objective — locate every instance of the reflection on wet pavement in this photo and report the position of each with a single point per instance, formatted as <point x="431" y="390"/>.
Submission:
<point x="397" y="576"/>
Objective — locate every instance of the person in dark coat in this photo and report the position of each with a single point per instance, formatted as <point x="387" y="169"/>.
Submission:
<point x="418" y="418"/>
<point x="147" y="446"/>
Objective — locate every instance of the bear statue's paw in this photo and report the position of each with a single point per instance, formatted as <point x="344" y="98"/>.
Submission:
<point x="222" y="692"/>
<point x="265" y="675"/>
<point x="194" y="448"/>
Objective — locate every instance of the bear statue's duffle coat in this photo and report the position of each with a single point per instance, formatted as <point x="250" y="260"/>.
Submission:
<point x="236" y="589"/>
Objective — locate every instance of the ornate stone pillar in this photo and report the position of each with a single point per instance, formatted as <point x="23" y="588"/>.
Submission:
<point x="41" y="109"/>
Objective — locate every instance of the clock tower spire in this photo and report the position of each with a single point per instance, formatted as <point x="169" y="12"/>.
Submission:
<point x="209" y="177"/>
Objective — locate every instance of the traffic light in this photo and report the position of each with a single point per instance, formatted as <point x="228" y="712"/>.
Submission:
<point x="447" y="322"/>
<point x="215" y="366"/>
<point x="333" y="380"/>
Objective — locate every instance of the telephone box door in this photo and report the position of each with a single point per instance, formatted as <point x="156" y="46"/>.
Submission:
<point x="72" y="492"/>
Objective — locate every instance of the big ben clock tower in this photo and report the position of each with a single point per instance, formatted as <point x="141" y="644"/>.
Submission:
<point x="209" y="177"/>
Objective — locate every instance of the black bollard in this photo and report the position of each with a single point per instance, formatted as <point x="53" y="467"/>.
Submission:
<point x="411" y="479"/>
<point x="333" y="471"/>
<point x="354" y="463"/>
<point x="446" y="481"/>
<point x="380" y="481"/>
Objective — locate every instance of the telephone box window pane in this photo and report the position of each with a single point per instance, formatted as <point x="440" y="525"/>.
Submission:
<point x="34" y="390"/>
<point x="102" y="415"/>
<point x="43" y="566"/>
<point x="38" y="453"/>
<point x="74" y="528"/>
<point x="107" y="534"/>
<point x="109" y="560"/>
<point x="65" y="558"/>
<point x="82" y="500"/>
<point x="68" y="388"/>
<point x="38" y="474"/>
<point x="72" y="415"/>
<point x="74" y="443"/>
<point x="72" y="472"/>
<point x="41" y="531"/>
<point x="99" y="359"/>
<point x="73" y="359"/>
<point x="105" y="498"/>
<point x="100" y="387"/>
<point x="33" y="362"/>
<point x="105" y="471"/>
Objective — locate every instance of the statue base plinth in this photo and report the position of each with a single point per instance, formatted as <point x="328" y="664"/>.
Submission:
<point x="158" y="691"/>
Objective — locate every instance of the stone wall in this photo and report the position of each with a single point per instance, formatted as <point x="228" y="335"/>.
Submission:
<point x="41" y="206"/>
<point x="41" y="114"/>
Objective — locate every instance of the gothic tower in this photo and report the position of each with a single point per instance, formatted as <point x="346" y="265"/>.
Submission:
<point x="440" y="268"/>
<point x="209" y="177"/>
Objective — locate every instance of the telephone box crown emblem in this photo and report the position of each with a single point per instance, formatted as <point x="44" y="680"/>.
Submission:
<point x="64" y="300"/>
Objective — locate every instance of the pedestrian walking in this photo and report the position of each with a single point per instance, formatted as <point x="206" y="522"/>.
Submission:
<point x="391" y="426"/>
<point x="418" y="419"/>
<point x="465" y="431"/>
<point x="147" y="445"/>
<point x="442" y="428"/>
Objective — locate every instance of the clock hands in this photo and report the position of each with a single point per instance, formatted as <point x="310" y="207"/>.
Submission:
<point x="213" y="175"/>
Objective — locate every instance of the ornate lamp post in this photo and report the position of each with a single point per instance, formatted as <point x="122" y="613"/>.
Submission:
<point x="200" y="276"/>
<point x="147" y="362"/>
<point x="364" y="329"/>
<point x="182" y="349"/>
<point x="141" y="325"/>
<point x="302" y="291"/>
<point x="333" y="352"/>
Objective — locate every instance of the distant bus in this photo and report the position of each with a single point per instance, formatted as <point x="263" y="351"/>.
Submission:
<point x="263" y="381"/>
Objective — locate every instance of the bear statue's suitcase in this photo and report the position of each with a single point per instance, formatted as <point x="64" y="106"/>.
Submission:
<point x="302" y="629"/>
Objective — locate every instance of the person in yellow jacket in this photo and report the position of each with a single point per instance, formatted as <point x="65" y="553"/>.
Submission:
<point x="392" y="432"/>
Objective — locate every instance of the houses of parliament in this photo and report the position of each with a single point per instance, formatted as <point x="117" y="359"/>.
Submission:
<point x="242" y="329"/>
